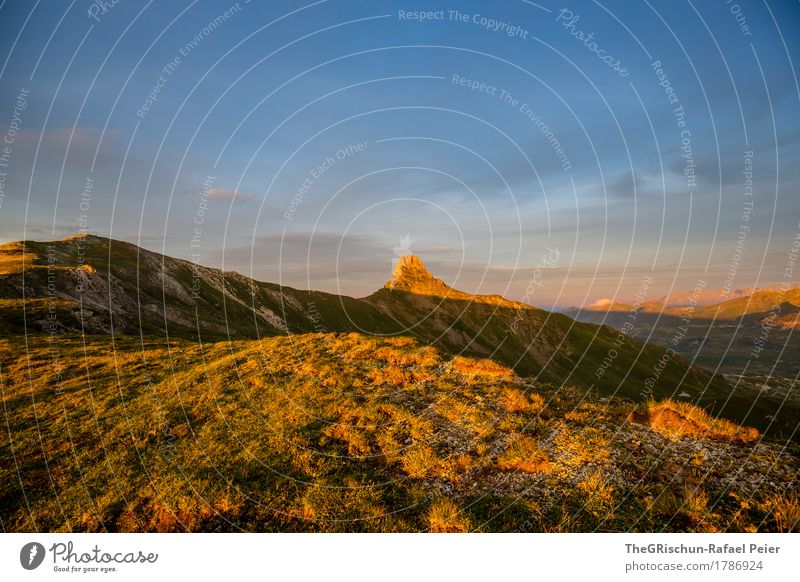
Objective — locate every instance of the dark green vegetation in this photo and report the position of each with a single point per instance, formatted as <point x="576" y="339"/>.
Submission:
<point x="341" y="432"/>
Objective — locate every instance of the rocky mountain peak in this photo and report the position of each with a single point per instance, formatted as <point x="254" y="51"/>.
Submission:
<point x="410" y="274"/>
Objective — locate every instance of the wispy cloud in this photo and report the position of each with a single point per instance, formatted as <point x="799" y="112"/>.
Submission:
<point x="228" y="195"/>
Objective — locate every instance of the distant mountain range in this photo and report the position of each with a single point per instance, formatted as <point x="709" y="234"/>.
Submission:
<point x="752" y="333"/>
<point x="98" y="286"/>
<point x="705" y="297"/>
<point x="708" y="304"/>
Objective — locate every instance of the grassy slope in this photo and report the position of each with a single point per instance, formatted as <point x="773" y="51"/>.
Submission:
<point x="152" y="294"/>
<point x="342" y="432"/>
<point x="134" y="291"/>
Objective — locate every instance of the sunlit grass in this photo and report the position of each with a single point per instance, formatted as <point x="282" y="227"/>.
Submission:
<point x="675" y="418"/>
<point x="333" y="432"/>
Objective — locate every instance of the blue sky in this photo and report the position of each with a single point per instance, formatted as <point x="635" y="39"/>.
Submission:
<point x="490" y="137"/>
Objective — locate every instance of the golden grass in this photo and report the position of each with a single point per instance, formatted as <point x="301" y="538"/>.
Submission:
<point x="515" y="400"/>
<point x="599" y="495"/>
<point x="695" y="503"/>
<point x="444" y="517"/>
<point x="12" y="262"/>
<point x="524" y="454"/>
<point x="16" y="258"/>
<point x="585" y="445"/>
<point x="482" y="368"/>
<point x="278" y="435"/>
<point x="674" y="418"/>
<point x="420" y="461"/>
<point x="786" y="512"/>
